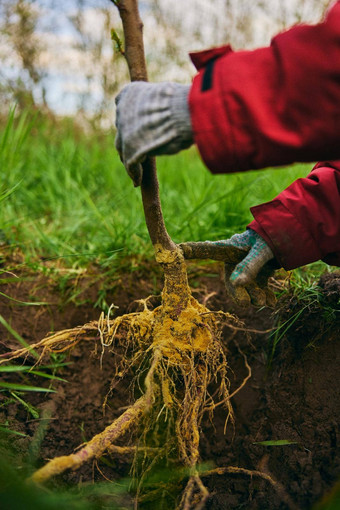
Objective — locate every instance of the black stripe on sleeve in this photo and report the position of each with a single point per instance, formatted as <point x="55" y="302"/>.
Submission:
<point x="207" y="80"/>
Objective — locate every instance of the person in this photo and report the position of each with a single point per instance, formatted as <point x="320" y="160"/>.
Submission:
<point x="254" y="109"/>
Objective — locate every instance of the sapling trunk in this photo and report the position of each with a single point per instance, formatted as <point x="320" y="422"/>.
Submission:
<point x="176" y="291"/>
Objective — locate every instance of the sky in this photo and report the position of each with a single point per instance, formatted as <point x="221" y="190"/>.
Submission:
<point x="189" y="25"/>
<point x="66" y="67"/>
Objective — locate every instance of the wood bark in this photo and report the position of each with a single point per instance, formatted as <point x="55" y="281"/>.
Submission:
<point x="135" y="57"/>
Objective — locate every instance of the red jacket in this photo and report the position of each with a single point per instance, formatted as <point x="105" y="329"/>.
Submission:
<point x="274" y="106"/>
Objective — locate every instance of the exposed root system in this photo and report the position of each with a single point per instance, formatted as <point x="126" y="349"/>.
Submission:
<point x="180" y="372"/>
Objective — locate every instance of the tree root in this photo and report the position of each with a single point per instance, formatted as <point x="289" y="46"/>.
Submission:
<point x="181" y="357"/>
<point x="195" y="494"/>
<point x="95" y="448"/>
<point x="278" y="487"/>
<point x="59" y="342"/>
<point x="176" y="357"/>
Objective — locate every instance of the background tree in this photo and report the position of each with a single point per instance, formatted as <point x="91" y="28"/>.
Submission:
<point x="21" y="77"/>
<point x="103" y="68"/>
<point x="60" y="55"/>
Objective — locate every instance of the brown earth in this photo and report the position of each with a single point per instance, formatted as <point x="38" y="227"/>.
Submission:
<point x="295" y="399"/>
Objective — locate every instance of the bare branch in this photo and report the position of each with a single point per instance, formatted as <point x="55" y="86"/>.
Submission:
<point x="205" y="250"/>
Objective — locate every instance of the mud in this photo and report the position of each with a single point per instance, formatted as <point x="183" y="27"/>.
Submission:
<point x="294" y="398"/>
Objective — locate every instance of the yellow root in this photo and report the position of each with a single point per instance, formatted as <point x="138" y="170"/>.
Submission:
<point x="278" y="487"/>
<point x="185" y="348"/>
<point x="242" y="471"/>
<point x="176" y="352"/>
<point x="132" y="450"/>
<point x="94" y="448"/>
<point x="58" y="342"/>
<point x="195" y="494"/>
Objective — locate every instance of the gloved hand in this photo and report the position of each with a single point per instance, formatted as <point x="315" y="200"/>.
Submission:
<point x="247" y="281"/>
<point x="151" y="119"/>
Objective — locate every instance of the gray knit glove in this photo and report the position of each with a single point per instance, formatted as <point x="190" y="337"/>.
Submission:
<point x="247" y="281"/>
<point x="151" y="119"/>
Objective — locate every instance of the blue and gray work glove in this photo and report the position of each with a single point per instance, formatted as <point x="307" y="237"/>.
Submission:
<point x="151" y="119"/>
<point x="247" y="282"/>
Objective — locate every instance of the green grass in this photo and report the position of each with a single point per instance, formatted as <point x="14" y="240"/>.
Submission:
<point x="65" y="195"/>
<point x="304" y="291"/>
<point x="21" y="387"/>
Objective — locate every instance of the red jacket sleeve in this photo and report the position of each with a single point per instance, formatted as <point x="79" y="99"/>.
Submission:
<point x="273" y="105"/>
<point x="302" y="224"/>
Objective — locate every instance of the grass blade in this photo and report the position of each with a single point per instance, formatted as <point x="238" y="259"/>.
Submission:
<point x="278" y="442"/>
<point x="47" y="376"/>
<point x="18" y="337"/>
<point x="5" y="430"/>
<point x="24" y="387"/>
<point x="25" y="303"/>
<point x="32" y="410"/>
<point x="30" y="368"/>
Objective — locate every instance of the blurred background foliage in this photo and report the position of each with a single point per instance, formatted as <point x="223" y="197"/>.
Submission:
<point x="58" y="55"/>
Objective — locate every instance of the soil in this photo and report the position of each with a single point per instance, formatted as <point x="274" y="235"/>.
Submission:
<point x="294" y="398"/>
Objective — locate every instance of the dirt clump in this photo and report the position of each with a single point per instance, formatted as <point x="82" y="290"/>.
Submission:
<point x="329" y="284"/>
